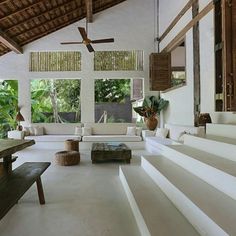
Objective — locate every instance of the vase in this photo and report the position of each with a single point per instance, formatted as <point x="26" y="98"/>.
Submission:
<point x="151" y="122"/>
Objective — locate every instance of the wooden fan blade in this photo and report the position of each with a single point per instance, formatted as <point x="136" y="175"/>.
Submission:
<point x="63" y="43"/>
<point x="90" y="48"/>
<point x="83" y="33"/>
<point x="109" y="40"/>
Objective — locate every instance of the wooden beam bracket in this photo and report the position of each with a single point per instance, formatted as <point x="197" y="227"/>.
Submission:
<point x="11" y="44"/>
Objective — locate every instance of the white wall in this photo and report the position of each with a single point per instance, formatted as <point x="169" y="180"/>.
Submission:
<point x="180" y="110"/>
<point x="131" y="23"/>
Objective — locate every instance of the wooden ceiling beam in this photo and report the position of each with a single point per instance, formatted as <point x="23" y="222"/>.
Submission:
<point x="11" y="44"/>
<point x="89" y="10"/>
<point x="4" y="1"/>
<point x="42" y="14"/>
<point x="22" y="9"/>
<point x="47" y="22"/>
<point x="53" y="29"/>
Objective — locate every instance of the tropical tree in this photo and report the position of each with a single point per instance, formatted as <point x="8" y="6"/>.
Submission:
<point x="51" y="97"/>
<point x="8" y="106"/>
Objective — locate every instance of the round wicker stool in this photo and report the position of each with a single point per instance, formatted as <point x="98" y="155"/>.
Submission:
<point x="72" y="145"/>
<point x="67" y="158"/>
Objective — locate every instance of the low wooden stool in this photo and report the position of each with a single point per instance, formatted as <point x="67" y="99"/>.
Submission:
<point x="67" y="158"/>
<point x="72" y="145"/>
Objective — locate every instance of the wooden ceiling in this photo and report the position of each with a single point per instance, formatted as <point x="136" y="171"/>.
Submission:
<point x="23" y="21"/>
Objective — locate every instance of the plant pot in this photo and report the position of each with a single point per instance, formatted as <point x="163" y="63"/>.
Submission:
<point x="151" y="122"/>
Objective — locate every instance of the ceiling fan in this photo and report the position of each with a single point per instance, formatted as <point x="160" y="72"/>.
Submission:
<point x="87" y="41"/>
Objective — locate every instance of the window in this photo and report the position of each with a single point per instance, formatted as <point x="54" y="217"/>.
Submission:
<point x="55" y="100"/>
<point x="118" y="60"/>
<point x="112" y="99"/>
<point x="8" y="106"/>
<point x="55" y="61"/>
<point x="178" y="75"/>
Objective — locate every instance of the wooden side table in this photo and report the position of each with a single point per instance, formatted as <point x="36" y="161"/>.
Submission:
<point x="72" y="145"/>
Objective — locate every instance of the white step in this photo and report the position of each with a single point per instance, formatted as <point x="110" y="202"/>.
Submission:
<point x="209" y="210"/>
<point x="217" y="171"/>
<point x="154" y="212"/>
<point x="224" y="130"/>
<point x="220" y="146"/>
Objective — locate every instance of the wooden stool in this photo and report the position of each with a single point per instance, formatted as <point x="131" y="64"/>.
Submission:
<point x="72" y="145"/>
<point x="67" y="158"/>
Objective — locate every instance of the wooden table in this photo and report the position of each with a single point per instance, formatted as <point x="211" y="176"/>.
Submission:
<point x="9" y="147"/>
<point x="110" y="151"/>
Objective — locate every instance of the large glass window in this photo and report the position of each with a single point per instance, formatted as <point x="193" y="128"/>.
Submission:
<point x="114" y="97"/>
<point x="8" y="106"/>
<point x="55" y="100"/>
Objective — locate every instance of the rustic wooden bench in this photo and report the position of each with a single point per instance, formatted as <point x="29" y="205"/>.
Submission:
<point x="15" y="184"/>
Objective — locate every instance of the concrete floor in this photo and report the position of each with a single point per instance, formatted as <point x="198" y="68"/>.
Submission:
<point x="83" y="200"/>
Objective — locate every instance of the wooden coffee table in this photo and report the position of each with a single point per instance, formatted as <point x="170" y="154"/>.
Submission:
<point x="102" y="152"/>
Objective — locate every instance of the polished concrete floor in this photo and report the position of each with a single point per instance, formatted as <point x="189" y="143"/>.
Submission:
<point x="83" y="200"/>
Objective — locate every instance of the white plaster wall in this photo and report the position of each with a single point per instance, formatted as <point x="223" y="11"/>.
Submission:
<point x="180" y="110"/>
<point x="178" y="57"/>
<point x="131" y="23"/>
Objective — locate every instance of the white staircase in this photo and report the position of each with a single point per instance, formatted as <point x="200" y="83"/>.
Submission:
<point x="188" y="190"/>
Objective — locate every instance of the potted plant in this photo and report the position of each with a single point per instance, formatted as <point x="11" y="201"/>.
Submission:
<point x="150" y="109"/>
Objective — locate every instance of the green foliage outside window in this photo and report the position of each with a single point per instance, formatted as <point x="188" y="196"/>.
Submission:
<point x="112" y="90"/>
<point x="52" y="100"/>
<point x="8" y="106"/>
<point x="112" y="100"/>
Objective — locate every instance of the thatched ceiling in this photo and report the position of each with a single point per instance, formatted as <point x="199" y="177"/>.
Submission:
<point x="23" y="21"/>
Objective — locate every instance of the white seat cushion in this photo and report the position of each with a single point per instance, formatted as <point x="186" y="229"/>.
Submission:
<point x="53" y="138"/>
<point x="111" y="138"/>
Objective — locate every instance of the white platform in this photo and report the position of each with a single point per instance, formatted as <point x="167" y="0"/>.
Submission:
<point x="223" y="130"/>
<point x="82" y="145"/>
<point x="213" y="144"/>
<point x="198" y="177"/>
<point x="154" y="212"/>
<point x="209" y="210"/>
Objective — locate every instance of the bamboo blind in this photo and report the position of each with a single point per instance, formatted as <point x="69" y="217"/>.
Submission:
<point x="118" y="60"/>
<point x="55" y="61"/>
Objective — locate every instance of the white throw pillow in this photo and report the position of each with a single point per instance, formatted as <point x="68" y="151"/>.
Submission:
<point x="181" y="137"/>
<point x="38" y="131"/>
<point x="131" y="131"/>
<point x="26" y="131"/>
<point x="86" y="131"/>
<point x="31" y="131"/>
<point x="162" y="132"/>
<point x="138" y="131"/>
<point x="78" y="131"/>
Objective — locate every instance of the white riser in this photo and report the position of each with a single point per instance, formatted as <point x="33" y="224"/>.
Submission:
<point x="224" y="150"/>
<point x="202" y="222"/>
<point x="224" y="130"/>
<point x="217" y="178"/>
<point x="137" y="214"/>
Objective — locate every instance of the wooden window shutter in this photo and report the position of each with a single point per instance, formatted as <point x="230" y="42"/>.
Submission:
<point x="137" y="89"/>
<point x="160" y="71"/>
